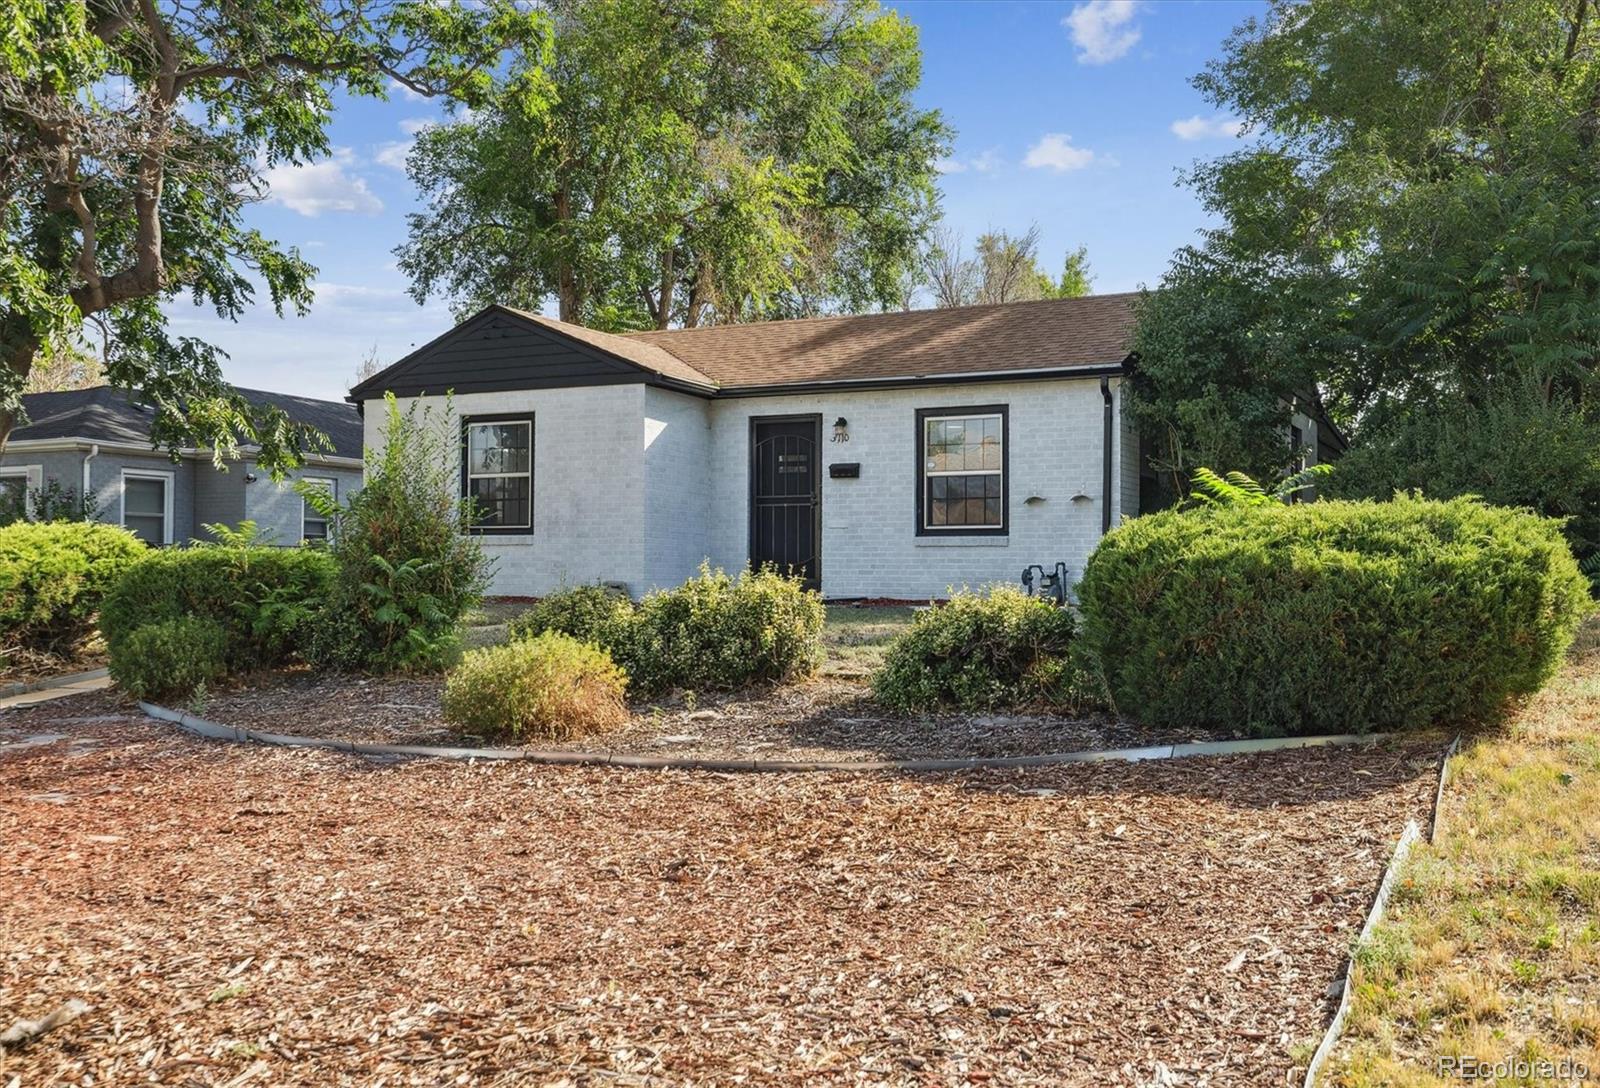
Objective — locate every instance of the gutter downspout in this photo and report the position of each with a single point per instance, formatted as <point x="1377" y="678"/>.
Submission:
<point x="83" y="495"/>
<point x="1105" y="482"/>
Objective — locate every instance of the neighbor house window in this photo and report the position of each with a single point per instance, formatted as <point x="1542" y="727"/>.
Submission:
<point x="961" y="469"/>
<point x="147" y="505"/>
<point x="314" y="525"/>
<point x="17" y="485"/>
<point x="498" y="472"/>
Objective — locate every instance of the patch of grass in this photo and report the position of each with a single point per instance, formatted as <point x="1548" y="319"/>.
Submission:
<point x="854" y="640"/>
<point x="1490" y="947"/>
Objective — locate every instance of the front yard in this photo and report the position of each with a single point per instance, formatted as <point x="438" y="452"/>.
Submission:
<point x="235" y="914"/>
<point x="829" y="716"/>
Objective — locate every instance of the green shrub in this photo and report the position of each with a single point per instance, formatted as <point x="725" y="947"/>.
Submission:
<point x="171" y="657"/>
<point x="1330" y="617"/>
<point x="713" y="633"/>
<point x="588" y="613"/>
<point x="263" y="599"/>
<point x="54" y="576"/>
<point x="549" y="687"/>
<point x="1000" y="649"/>
<point x="407" y="574"/>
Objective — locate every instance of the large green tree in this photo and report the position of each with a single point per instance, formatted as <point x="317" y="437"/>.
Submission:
<point x="688" y="161"/>
<point x="1412" y="233"/>
<point x="133" y="134"/>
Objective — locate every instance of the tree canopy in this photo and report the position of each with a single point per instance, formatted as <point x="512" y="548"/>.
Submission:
<point x="685" y="163"/>
<point x="133" y="133"/>
<point x="1412" y="235"/>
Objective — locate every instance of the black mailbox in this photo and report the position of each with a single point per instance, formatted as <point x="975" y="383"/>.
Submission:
<point x="845" y="470"/>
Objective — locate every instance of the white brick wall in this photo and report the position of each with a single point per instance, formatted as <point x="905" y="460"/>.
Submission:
<point x="637" y="485"/>
<point x="869" y="542"/>
<point x="588" y="486"/>
<point x="678" y="460"/>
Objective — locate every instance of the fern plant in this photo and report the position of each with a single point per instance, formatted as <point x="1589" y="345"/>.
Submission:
<point x="1237" y="489"/>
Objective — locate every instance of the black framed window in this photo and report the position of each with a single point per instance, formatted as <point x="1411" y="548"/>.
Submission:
<point x="497" y="472"/>
<point x="962" y="485"/>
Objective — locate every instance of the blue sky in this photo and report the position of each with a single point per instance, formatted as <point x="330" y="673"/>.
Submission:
<point x="1077" y="116"/>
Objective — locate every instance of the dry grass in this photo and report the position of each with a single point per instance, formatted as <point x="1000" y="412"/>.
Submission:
<point x="854" y="639"/>
<point x="1492" y="947"/>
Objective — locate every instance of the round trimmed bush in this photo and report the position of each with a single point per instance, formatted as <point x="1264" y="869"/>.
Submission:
<point x="171" y="657"/>
<point x="1330" y="617"/>
<point x="999" y="649"/>
<point x="550" y="687"/>
<point x="589" y="613"/>
<point x="54" y="576"/>
<point x="717" y="633"/>
<point x="712" y="633"/>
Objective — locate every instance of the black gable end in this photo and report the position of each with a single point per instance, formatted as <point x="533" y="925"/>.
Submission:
<point x="493" y="352"/>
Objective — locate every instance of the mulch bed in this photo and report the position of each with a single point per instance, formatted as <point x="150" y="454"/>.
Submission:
<point x="235" y="914"/>
<point x="825" y="718"/>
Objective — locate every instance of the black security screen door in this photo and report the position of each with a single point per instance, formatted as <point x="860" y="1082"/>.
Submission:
<point x="785" y="494"/>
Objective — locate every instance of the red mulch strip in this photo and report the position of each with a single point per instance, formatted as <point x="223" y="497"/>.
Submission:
<point x="824" y="718"/>
<point x="235" y="914"/>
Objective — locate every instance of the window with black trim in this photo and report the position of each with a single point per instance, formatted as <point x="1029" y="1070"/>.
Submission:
<point x="497" y="472"/>
<point x="961" y="471"/>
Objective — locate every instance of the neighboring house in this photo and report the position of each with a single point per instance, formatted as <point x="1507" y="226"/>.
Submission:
<point x="97" y="442"/>
<point x="884" y="455"/>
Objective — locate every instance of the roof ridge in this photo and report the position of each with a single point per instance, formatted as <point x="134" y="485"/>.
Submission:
<point x="641" y="334"/>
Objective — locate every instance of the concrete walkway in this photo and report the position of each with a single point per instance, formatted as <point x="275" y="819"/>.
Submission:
<point x="77" y="684"/>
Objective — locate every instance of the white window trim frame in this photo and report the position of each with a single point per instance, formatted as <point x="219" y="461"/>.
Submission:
<point x="32" y="480"/>
<point x="930" y="474"/>
<point x="168" y="478"/>
<point x="333" y="489"/>
<point x="468" y="475"/>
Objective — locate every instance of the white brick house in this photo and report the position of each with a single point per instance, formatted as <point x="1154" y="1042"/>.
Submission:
<point x="894" y="455"/>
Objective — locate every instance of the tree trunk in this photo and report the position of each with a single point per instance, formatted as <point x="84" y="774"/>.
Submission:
<point x="663" y="309"/>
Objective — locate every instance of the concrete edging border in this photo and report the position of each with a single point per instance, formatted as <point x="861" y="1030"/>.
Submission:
<point x="54" y="682"/>
<point x="216" y="731"/>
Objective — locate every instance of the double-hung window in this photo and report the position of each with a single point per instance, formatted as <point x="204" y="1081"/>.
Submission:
<point x="961" y="471"/>
<point x="147" y="505"/>
<point x="497" y="472"/>
<point x="17" y="485"/>
<point x="313" y="523"/>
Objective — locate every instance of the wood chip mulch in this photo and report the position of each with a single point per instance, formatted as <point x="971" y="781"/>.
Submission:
<point x="825" y="718"/>
<point x="234" y="914"/>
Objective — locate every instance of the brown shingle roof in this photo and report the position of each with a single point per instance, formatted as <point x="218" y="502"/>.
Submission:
<point x="1053" y="333"/>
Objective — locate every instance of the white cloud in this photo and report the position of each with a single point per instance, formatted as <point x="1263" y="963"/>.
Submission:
<point x="356" y="295"/>
<point x="1203" y="128"/>
<point x="985" y="162"/>
<point x="1100" y="29"/>
<point x="1054" y="151"/>
<point x="322" y="187"/>
<point x="393" y="154"/>
<point x="413" y="125"/>
<point x="396" y="88"/>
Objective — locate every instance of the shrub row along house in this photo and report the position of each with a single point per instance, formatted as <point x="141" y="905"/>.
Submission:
<point x="96" y="443"/>
<point x="883" y="455"/>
